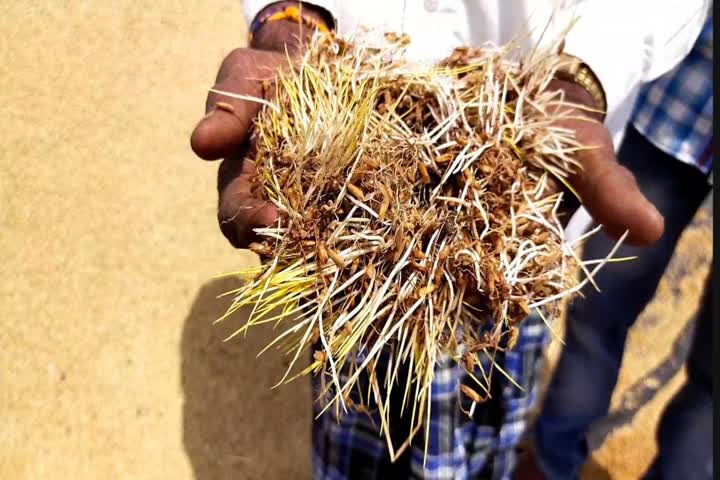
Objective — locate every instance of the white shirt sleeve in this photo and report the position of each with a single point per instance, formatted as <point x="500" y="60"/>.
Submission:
<point x="629" y="42"/>
<point x="625" y="42"/>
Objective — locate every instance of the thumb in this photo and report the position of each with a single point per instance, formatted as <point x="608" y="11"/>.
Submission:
<point x="226" y="126"/>
<point x="245" y="74"/>
<point x="609" y="191"/>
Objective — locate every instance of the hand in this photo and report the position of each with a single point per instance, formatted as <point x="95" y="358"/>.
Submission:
<point x="224" y="131"/>
<point x="608" y="190"/>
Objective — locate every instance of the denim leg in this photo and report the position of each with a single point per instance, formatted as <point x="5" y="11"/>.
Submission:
<point x="580" y="390"/>
<point x="685" y="433"/>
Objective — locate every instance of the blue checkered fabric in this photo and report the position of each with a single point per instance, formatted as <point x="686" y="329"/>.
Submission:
<point x="675" y="111"/>
<point x="349" y="446"/>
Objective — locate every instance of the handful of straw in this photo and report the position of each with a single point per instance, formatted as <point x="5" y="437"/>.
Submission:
<point x="416" y="217"/>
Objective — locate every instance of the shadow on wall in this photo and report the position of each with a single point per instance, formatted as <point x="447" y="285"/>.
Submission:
<point x="234" y="425"/>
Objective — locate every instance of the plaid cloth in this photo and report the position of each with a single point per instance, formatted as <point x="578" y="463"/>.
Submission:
<point x="675" y="111"/>
<point x="459" y="447"/>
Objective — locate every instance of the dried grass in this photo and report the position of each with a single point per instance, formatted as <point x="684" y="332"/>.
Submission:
<point x="416" y="216"/>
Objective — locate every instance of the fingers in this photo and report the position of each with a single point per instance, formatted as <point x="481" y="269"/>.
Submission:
<point x="226" y="127"/>
<point x="239" y="211"/>
<point x="609" y="191"/>
<point x="224" y="132"/>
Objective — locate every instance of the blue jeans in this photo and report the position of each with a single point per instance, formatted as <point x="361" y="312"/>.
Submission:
<point x="597" y="327"/>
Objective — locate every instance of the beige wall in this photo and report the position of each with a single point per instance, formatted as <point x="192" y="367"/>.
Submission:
<point x="108" y="241"/>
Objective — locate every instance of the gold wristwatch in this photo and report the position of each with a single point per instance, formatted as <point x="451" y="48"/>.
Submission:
<point x="575" y="70"/>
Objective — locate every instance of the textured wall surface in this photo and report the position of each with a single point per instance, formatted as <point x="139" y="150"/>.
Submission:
<point x="110" y="368"/>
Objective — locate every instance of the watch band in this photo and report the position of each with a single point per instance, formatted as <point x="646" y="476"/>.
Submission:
<point x="282" y="11"/>
<point x="575" y="70"/>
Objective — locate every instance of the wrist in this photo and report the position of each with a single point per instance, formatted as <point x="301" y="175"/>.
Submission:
<point x="288" y="26"/>
<point x="576" y="72"/>
<point x="578" y="95"/>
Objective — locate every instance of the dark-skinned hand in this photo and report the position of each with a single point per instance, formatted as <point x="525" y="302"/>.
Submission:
<point x="224" y="132"/>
